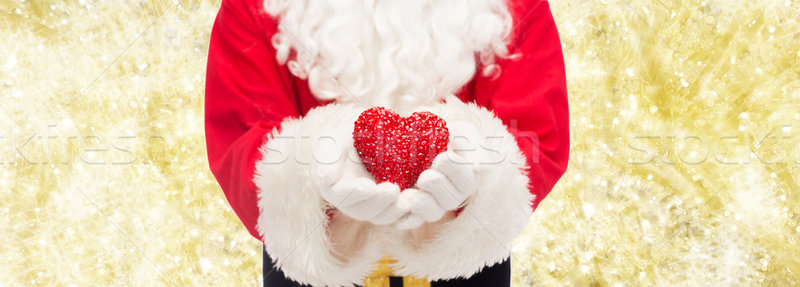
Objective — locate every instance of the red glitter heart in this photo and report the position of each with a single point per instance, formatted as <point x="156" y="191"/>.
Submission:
<point x="397" y="149"/>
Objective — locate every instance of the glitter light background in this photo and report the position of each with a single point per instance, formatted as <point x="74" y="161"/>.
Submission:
<point x="684" y="168"/>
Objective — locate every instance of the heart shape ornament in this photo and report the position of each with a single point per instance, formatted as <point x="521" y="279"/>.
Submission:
<point x="397" y="149"/>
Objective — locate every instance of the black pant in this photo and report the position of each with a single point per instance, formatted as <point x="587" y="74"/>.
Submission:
<point x="496" y="275"/>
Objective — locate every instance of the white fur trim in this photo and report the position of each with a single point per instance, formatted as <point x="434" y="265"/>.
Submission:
<point x="498" y="211"/>
<point x="292" y="220"/>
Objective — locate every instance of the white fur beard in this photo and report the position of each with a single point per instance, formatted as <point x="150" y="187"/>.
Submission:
<point x="400" y="54"/>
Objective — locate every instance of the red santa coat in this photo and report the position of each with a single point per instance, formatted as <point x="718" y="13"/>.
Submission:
<point x="250" y="96"/>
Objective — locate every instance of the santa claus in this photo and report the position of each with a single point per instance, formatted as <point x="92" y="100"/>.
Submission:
<point x="286" y="81"/>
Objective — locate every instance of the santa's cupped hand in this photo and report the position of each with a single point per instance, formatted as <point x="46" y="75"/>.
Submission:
<point x="449" y="182"/>
<point x="346" y="185"/>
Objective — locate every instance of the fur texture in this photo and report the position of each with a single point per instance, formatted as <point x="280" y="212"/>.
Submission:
<point x="296" y="231"/>
<point x="311" y="249"/>
<point x="393" y="53"/>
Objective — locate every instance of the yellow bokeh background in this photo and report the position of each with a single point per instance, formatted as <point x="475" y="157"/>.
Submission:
<point x="685" y="163"/>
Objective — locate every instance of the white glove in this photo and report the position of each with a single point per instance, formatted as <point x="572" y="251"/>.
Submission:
<point x="346" y="185"/>
<point x="450" y="181"/>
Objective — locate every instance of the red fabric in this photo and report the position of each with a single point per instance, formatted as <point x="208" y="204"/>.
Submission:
<point x="530" y="96"/>
<point x="248" y="94"/>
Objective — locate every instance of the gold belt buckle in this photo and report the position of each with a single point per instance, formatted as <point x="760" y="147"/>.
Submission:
<point x="380" y="276"/>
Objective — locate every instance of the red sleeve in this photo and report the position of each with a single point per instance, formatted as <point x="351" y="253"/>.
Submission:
<point x="247" y="95"/>
<point x="530" y="95"/>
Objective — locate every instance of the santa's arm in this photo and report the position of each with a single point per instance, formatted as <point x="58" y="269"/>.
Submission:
<point x="245" y="99"/>
<point x="522" y="118"/>
<point x="258" y="139"/>
<point x="530" y="97"/>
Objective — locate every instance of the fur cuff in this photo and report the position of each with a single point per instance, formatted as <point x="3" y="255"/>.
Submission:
<point x="306" y="245"/>
<point x="462" y="245"/>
